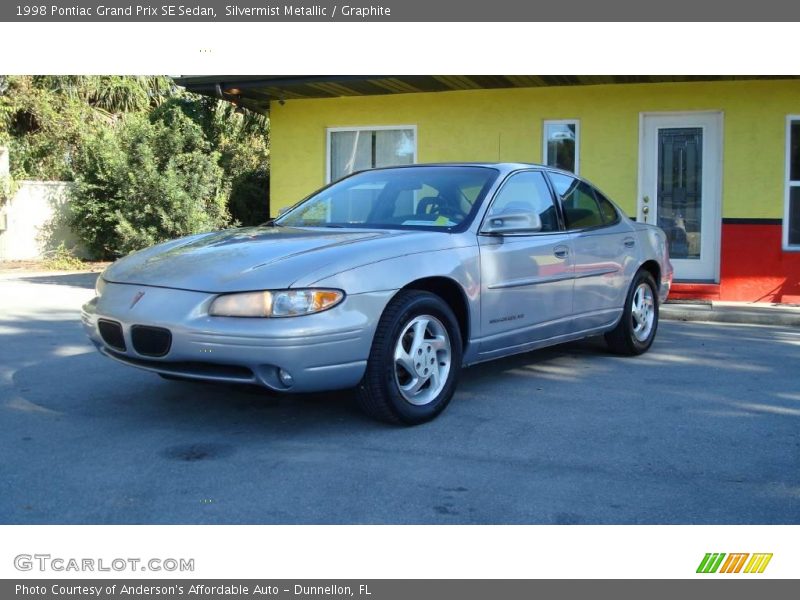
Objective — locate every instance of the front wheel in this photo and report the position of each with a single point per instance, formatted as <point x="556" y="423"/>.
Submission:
<point x="636" y="329"/>
<point x="414" y="362"/>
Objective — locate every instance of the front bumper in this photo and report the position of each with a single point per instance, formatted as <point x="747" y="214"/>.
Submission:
<point x="324" y="351"/>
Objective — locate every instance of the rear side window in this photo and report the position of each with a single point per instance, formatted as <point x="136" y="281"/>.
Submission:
<point x="527" y="192"/>
<point x="606" y="208"/>
<point x="581" y="210"/>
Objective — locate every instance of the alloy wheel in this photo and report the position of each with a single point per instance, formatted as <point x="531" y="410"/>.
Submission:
<point x="422" y="359"/>
<point x="642" y="313"/>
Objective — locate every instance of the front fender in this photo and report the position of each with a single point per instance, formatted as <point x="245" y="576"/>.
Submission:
<point x="461" y="265"/>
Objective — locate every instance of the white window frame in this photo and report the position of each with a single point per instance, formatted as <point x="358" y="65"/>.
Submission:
<point x="577" y="124"/>
<point x="789" y="184"/>
<point x="331" y="130"/>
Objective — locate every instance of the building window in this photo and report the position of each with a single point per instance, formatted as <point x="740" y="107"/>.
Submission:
<point x="353" y="149"/>
<point x="791" y="217"/>
<point x="561" y="147"/>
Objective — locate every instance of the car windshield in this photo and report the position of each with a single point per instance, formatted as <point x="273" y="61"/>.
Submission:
<point x="430" y="197"/>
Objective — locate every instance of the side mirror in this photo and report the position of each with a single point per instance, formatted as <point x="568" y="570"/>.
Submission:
<point x="518" y="222"/>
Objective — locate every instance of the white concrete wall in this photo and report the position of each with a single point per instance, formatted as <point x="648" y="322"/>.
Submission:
<point x="4" y="168"/>
<point x="35" y="221"/>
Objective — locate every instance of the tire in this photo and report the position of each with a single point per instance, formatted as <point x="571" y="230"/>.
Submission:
<point x="397" y="389"/>
<point x="635" y="331"/>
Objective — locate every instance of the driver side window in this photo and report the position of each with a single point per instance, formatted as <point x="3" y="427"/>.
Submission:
<point x="526" y="192"/>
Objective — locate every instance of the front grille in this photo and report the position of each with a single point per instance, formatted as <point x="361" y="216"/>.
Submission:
<point x="151" y="341"/>
<point x="111" y="332"/>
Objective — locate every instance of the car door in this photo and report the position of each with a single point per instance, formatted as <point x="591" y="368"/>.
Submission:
<point x="526" y="278"/>
<point x="603" y="248"/>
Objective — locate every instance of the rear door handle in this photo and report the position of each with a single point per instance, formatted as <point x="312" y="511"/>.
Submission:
<point x="561" y="251"/>
<point x="629" y="243"/>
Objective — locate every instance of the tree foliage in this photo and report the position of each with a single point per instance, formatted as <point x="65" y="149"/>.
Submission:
<point x="146" y="182"/>
<point x="150" y="161"/>
<point x="242" y="140"/>
<point x="44" y="119"/>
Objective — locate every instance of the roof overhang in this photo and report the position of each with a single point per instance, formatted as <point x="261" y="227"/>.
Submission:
<point x="257" y="91"/>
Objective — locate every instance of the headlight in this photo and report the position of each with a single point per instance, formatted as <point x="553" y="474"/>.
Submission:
<point x="285" y="303"/>
<point x="99" y="286"/>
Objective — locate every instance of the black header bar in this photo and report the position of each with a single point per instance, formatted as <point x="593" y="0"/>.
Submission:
<point x="402" y="10"/>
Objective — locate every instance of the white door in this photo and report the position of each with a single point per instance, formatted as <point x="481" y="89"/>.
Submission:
<point x="680" y="188"/>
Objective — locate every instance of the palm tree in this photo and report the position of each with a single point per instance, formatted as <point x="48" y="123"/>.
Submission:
<point x="112" y="94"/>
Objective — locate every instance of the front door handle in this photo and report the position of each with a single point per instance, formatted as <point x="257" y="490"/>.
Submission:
<point x="561" y="251"/>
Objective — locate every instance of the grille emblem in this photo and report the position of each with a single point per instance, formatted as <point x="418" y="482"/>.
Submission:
<point x="136" y="299"/>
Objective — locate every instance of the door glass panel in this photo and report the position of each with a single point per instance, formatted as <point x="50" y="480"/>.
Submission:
<point x="609" y="212"/>
<point x="527" y="192"/>
<point x="680" y="184"/>
<point x="794" y="152"/>
<point x="577" y="201"/>
<point x="794" y="215"/>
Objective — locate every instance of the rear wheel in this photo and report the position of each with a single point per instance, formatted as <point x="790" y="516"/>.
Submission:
<point x="414" y="361"/>
<point x="636" y="329"/>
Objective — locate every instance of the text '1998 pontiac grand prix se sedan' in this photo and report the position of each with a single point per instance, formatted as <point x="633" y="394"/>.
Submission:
<point x="390" y="281"/>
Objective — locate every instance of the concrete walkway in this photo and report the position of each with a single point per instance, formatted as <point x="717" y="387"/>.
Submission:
<point x="750" y="313"/>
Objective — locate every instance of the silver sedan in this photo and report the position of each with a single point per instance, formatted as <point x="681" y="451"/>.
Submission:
<point x="389" y="281"/>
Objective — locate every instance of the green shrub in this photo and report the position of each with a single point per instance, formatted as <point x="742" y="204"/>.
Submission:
<point x="151" y="161"/>
<point x="242" y="140"/>
<point x="146" y="181"/>
<point x="62" y="259"/>
<point x="249" y="199"/>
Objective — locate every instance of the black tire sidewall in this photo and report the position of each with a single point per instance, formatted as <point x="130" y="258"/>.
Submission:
<point x="422" y="303"/>
<point x="637" y="346"/>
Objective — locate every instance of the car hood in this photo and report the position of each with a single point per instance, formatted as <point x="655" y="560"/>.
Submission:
<point x="254" y="258"/>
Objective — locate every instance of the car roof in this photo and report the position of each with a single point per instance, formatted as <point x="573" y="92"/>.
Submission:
<point x="501" y="166"/>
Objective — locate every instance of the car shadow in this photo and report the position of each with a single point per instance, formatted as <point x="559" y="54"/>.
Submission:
<point x="532" y="358"/>
<point x="90" y="386"/>
<point x="79" y="280"/>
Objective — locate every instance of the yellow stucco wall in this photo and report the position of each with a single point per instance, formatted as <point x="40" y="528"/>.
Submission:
<point x="506" y="125"/>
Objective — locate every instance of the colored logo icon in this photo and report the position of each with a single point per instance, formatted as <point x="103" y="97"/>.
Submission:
<point x="734" y="563"/>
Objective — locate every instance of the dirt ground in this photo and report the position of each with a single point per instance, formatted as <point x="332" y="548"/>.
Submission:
<point x="35" y="265"/>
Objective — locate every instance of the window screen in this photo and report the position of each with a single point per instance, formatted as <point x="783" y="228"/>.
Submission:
<point x="359" y="149"/>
